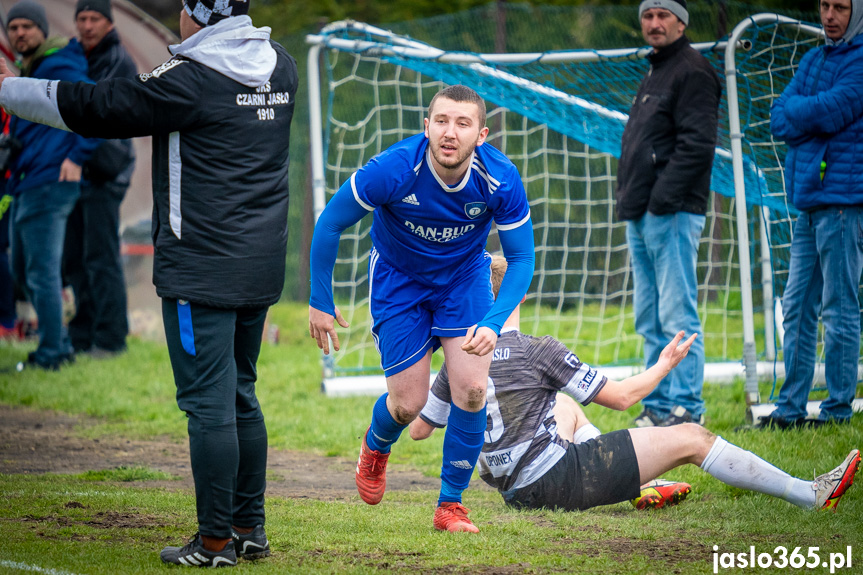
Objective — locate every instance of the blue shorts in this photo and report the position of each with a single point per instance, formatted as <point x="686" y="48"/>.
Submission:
<point x="408" y="317"/>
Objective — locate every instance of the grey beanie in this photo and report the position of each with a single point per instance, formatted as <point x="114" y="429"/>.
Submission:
<point x="103" y="7"/>
<point x="676" y="7"/>
<point x="29" y="10"/>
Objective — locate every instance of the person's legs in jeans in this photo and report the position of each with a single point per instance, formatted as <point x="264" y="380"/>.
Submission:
<point x="74" y="274"/>
<point x="839" y="234"/>
<point x="40" y="227"/>
<point x="664" y="251"/>
<point x="800" y="304"/>
<point x="104" y="267"/>
<point x="251" y="430"/>
<point x="677" y="281"/>
<point x="646" y="304"/>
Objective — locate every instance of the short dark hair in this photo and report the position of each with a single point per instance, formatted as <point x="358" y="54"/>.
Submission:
<point x="459" y="93"/>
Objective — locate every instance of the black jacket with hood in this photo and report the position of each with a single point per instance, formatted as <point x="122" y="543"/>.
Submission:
<point x="670" y="139"/>
<point x="220" y="114"/>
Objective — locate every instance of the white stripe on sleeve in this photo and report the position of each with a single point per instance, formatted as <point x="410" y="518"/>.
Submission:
<point x="32" y="99"/>
<point x="514" y="225"/>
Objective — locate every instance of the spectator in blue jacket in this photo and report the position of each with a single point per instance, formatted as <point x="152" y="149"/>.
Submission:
<point x="820" y="117"/>
<point x="45" y="182"/>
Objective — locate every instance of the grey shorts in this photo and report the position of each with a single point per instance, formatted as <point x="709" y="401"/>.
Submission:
<point x="601" y="471"/>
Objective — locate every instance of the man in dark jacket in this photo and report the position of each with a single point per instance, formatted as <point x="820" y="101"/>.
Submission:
<point x="45" y="182"/>
<point x="663" y="182"/>
<point x="220" y="113"/>
<point x="820" y="117"/>
<point x="91" y="260"/>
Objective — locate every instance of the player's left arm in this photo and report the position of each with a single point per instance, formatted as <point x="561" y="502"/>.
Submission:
<point x="517" y="244"/>
<point x="621" y="395"/>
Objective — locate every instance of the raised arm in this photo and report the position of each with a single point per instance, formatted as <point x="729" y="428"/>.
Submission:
<point x="115" y="108"/>
<point x="621" y="395"/>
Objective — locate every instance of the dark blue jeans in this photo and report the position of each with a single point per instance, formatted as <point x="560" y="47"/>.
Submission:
<point x="92" y="266"/>
<point x="826" y="262"/>
<point x="38" y="231"/>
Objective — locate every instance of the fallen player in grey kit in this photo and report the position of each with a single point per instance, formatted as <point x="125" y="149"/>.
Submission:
<point x="539" y="453"/>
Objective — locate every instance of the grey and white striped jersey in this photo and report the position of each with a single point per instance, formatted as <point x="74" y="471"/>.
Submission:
<point x="521" y="441"/>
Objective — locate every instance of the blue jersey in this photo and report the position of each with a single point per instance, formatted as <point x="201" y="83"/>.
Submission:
<point x="429" y="230"/>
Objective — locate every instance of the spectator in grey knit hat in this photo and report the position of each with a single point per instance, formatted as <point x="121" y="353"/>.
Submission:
<point x="45" y="180"/>
<point x="663" y="184"/>
<point x="28" y="10"/>
<point x="665" y="22"/>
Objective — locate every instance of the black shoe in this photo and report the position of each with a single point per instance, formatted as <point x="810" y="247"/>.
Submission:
<point x="649" y="418"/>
<point x="252" y="545"/>
<point x="193" y="554"/>
<point x="680" y="415"/>
<point x="774" y="421"/>
<point x="33" y="363"/>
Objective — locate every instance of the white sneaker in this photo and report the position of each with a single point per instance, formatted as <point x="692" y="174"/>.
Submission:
<point x="831" y="486"/>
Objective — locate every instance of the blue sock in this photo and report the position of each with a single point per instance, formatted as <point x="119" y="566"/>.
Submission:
<point x="462" y="445"/>
<point x="384" y="430"/>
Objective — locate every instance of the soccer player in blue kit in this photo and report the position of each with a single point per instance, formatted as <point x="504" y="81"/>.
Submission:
<point x="434" y="197"/>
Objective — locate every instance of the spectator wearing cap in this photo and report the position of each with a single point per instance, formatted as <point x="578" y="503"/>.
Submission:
<point x="820" y="117"/>
<point x="44" y="182"/>
<point x="91" y="258"/>
<point x="219" y="111"/>
<point x="663" y="183"/>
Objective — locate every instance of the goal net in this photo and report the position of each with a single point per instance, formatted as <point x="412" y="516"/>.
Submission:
<point x="559" y="116"/>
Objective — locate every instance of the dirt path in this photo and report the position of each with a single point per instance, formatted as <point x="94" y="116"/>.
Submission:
<point x="33" y="442"/>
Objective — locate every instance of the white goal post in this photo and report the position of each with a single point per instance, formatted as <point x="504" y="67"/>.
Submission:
<point x="559" y="117"/>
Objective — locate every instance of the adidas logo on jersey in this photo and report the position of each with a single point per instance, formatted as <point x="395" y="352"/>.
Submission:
<point x="461" y="464"/>
<point x="411" y="199"/>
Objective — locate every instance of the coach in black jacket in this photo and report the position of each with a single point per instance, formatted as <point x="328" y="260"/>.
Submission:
<point x="220" y="114"/>
<point x="91" y="256"/>
<point x="663" y="182"/>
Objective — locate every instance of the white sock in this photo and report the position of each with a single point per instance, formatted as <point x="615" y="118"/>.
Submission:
<point x="740" y="468"/>
<point x="585" y="433"/>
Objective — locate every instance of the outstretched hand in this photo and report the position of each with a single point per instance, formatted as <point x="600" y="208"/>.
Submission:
<point x="322" y="325"/>
<point x="4" y="71"/>
<point x="675" y="351"/>
<point x="479" y="340"/>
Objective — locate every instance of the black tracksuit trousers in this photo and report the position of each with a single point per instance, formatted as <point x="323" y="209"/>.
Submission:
<point x="213" y="355"/>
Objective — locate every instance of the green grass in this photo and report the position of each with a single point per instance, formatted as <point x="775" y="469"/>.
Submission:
<point x="108" y="522"/>
<point x="123" y="473"/>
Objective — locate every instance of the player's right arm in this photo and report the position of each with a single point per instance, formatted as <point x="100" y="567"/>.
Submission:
<point x="342" y="211"/>
<point x="117" y="108"/>
<point x="621" y="395"/>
